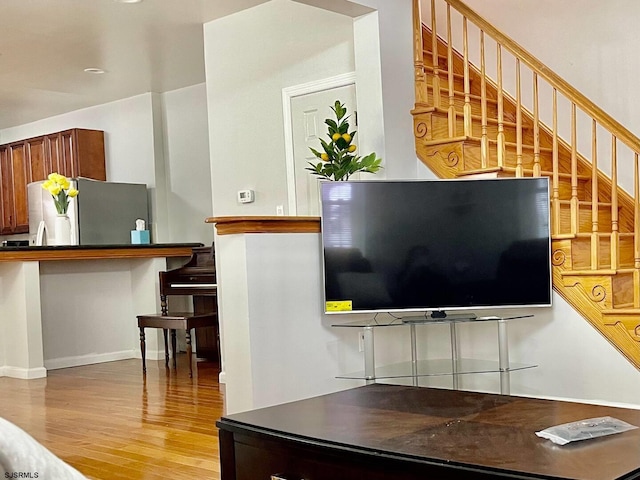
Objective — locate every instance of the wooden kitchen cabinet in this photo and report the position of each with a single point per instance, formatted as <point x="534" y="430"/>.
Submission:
<point x="16" y="220"/>
<point x="73" y="153"/>
<point x="6" y="191"/>
<point x="77" y="153"/>
<point x="39" y="165"/>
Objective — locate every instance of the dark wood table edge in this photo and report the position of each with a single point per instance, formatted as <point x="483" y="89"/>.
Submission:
<point x="227" y="428"/>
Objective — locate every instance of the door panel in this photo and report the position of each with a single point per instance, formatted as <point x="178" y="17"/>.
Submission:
<point x="18" y="156"/>
<point x="38" y="161"/>
<point x="6" y="192"/>
<point x="308" y="113"/>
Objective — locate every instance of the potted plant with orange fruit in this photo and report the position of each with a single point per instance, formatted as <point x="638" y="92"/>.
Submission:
<point x="338" y="160"/>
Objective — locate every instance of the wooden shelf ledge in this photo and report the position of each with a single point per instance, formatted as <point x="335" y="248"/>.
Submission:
<point x="264" y="224"/>
<point x="25" y="254"/>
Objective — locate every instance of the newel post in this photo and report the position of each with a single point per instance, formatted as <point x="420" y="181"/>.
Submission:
<point x="418" y="60"/>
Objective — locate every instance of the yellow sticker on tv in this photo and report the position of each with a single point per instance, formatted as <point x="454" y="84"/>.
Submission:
<point x="339" y="306"/>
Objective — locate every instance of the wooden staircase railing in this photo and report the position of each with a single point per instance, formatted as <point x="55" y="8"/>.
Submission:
<point x="469" y="121"/>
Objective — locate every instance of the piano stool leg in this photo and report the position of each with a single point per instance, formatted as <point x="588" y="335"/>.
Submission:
<point x="189" y="352"/>
<point x="173" y="348"/>
<point x="166" y="348"/>
<point x="143" y="349"/>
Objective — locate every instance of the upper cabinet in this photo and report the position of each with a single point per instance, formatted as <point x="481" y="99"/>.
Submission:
<point x="72" y="153"/>
<point x="77" y="153"/>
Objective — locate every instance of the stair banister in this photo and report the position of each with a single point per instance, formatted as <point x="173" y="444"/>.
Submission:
<point x="602" y="281"/>
<point x="604" y="119"/>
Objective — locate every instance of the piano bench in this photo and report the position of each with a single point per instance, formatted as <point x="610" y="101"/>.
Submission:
<point x="173" y="321"/>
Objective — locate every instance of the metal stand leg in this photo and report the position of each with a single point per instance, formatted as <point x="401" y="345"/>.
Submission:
<point x="503" y="357"/>
<point x="454" y="355"/>
<point x="414" y="356"/>
<point x="369" y="356"/>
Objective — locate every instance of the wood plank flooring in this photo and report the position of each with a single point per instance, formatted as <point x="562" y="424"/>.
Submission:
<point x="109" y="423"/>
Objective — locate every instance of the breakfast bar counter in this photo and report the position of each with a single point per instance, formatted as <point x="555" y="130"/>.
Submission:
<point x="63" y="306"/>
<point x="95" y="252"/>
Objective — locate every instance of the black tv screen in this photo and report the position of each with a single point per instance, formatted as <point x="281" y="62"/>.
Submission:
<point x="435" y="245"/>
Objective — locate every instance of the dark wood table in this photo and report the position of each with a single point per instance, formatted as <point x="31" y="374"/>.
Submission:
<point x="382" y="431"/>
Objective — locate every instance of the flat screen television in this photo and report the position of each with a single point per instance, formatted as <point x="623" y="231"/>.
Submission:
<point x="435" y="245"/>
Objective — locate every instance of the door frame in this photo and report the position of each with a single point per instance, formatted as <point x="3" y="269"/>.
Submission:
<point x="288" y="93"/>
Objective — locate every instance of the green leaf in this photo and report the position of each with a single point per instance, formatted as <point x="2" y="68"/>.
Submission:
<point x="332" y="124"/>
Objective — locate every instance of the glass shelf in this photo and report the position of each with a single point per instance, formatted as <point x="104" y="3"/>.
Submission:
<point x="435" y="367"/>
<point x="453" y="366"/>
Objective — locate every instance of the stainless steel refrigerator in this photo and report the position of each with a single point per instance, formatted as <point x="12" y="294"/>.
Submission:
<point x="103" y="213"/>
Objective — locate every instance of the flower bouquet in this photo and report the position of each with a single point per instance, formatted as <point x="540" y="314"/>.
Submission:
<point x="60" y="189"/>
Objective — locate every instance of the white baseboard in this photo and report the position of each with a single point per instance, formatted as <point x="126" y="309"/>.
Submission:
<point x="222" y="377"/>
<point x="66" y="362"/>
<point x="23" y="373"/>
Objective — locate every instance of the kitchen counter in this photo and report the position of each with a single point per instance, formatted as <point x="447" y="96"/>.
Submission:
<point x="95" y="252"/>
<point x="59" y="314"/>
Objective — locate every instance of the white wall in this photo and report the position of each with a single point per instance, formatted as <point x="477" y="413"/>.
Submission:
<point x="159" y="140"/>
<point x="250" y="57"/>
<point x="188" y="171"/>
<point x="574" y="360"/>
<point x="384" y="71"/>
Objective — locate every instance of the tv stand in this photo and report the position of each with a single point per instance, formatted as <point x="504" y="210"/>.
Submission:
<point x="454" y="366"/>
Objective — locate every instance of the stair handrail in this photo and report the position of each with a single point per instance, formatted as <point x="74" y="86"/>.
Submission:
<point x="555" y="80"/>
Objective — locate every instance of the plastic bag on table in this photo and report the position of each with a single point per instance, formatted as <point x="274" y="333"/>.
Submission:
<point x="584" y="429"/>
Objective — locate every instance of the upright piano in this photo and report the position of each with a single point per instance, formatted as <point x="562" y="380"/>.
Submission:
<point x="196" y="278"/>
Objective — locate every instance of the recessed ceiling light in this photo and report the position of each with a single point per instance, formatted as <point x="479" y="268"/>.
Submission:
<point x="96" y="71"/>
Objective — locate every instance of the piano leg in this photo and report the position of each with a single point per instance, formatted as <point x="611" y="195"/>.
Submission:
<point x="173" y="347"/>
<point x="166" y="348"/>
<point x="189" y="352"/>
<point x="143" y="350"/>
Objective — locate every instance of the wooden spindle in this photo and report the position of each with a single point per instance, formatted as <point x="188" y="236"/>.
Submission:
<point x="418" y="56"/>
<point x="484" y="145"/>
<point x="519" y="167"/>
<point x="636" y="232"/>
<point x="451" y="115"/>
<point x="434" y="57"/>
<point x="574" y="173"/>
<point x="595" y="238"/>
<point x="615" y="234"/>
<point x="536" y="128"/>
<point x="501" y="138"/>
<point x="467" y="84"/>
<point x="556" y="178"/>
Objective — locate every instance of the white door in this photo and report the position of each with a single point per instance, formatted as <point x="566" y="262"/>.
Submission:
<point x="308" y="113"/>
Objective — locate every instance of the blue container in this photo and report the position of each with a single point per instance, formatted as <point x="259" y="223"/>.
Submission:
<point x="140" y="237"/>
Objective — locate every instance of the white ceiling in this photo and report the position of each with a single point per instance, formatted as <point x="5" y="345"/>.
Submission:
<point x="45" y="45"/>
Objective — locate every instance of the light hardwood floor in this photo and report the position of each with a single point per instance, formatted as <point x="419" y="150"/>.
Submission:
<point x="109" y="423"/>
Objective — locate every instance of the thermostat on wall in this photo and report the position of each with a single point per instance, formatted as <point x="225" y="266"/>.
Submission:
<point x="246" y="196"/>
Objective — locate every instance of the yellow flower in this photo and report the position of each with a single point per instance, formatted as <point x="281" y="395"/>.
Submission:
<point x="324" y="157"/>
<point x="60" y="189"/>
<point x="335" y="137"/>
<point x="352" y="148"/>
<point x="346" y="137"/>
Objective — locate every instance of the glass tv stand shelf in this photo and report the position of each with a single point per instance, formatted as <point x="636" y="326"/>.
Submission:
<point x="453" y="366"/>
